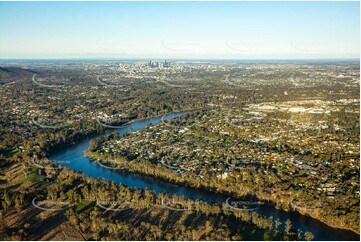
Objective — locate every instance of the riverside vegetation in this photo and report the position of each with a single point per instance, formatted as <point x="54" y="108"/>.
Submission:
<point x="296" y="126"/>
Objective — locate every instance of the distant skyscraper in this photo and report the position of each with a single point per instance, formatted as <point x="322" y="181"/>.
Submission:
<point x="166" y="64"/>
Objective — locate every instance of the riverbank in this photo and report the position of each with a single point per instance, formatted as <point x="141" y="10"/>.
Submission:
<point x="95" y="133"/>
<point x="160" y="172"/>
<point x="92" y="169"/>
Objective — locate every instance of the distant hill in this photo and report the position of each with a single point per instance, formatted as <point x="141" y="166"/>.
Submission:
<point x="9" y="74"/>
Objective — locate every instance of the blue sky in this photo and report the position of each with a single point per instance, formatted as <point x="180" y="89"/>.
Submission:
<point x="230" y="30"/>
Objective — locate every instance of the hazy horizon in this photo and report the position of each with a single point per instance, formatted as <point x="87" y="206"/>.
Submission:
<point x="179" y="30"/>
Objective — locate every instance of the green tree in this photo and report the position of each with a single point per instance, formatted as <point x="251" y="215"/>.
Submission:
<point x="277" y="223"/>
<point x="309" y="236"/>
<point x="288" y="226"/>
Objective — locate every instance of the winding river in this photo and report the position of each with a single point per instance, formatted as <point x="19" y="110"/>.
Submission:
<point x="73" y="155"/>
